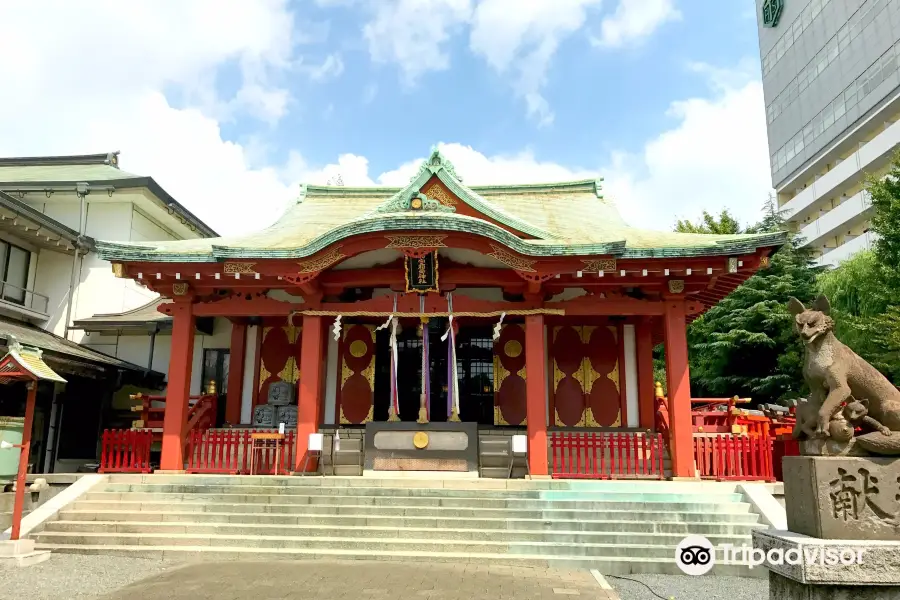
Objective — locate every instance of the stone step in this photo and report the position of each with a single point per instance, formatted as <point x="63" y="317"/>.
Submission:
<point x="622" y="492"/>
<point x="421" y="544"/>
<point x="606" y="565"/>
<point x="369" y="482"/>
<point x="550" y="511"/>
<point x="659" y="501"/>
<point x="463" y="531"/>
<point x="698" y="523"/>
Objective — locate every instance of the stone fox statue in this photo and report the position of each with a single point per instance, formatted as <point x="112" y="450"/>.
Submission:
<point x="834" y="374"/>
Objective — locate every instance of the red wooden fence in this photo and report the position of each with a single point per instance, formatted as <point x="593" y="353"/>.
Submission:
<point x="783" y="446"/>
<point x="228" y="451"/>
<point x="125" y="451"/>
<point x="726" y="457"/>
<point x="607" y="455"/>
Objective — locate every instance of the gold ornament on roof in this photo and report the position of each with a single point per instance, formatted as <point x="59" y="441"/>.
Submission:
<point x="511" y="260"/>
<point x="676" y="286"/>
<point x="321" y="262"/>
<point x="179" y="289"/>
<point x="118" y="270"/>
<point x="440" y="194"/>
<point x="416" y="241"/>
<point x="600" y="264"/>
<point x="239" y="267"/>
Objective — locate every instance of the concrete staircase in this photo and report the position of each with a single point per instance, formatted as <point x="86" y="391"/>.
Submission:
<point x="616" y="527"/>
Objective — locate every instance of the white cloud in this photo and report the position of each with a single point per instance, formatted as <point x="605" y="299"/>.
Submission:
<point x="331" y="67"/>
<point x="635" y="20"/>
<point x="91" y="78"/>
<point x="517" y="39"/>
<point x="112" y="91"/>
<point x="715" y="157"/>
<point x="477" y="169"/>
<point x="523" y="37"/>
<point x="414" y="33"/>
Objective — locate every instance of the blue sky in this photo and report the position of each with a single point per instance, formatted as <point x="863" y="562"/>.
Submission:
<point x="223" y="102"/>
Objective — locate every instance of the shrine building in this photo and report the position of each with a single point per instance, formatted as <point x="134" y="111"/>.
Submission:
<point x="426" y="314"/>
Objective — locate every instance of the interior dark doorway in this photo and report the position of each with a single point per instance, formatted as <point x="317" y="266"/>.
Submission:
<point x="475" y="370"/>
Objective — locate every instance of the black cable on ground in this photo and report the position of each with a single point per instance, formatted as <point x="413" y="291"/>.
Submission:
<point x="650" y="589"/>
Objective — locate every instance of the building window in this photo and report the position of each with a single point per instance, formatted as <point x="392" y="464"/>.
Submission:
<point x="14" y="263"/>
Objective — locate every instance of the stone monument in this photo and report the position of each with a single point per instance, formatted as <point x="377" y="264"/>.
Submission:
<point x="842" y="495"/>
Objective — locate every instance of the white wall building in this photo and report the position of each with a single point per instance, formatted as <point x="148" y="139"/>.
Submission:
<point x="51" y="210"/>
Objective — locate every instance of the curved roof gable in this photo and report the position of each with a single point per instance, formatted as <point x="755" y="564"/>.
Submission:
<point x="439" y="167"/>
<point x="559" y="219"/>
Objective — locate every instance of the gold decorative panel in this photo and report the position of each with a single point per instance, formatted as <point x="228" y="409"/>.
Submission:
<point x="511" y="260"/>
<point x="441" y="195"/>
<point x="597" y="265"/>
<point x="321" y="262"/>
<point x="416" y="241"/>
<point x="239" y="267"/>
<point x="578" y="360"/>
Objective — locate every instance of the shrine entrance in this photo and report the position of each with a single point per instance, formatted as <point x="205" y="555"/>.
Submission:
<point x="475" y="366"/>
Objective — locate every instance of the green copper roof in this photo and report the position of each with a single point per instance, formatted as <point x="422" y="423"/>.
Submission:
<point x="571" y="218"/>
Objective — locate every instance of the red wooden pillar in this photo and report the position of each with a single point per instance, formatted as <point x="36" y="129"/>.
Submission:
<point x="679" y="388"/>
<point x="643" y="334"/>
<point x="178" y="390"/>
<point x="236" y="372"/>
<point x="24" y="451"/>
<point x="536" y="395"/>
<point x="309" y="393"/>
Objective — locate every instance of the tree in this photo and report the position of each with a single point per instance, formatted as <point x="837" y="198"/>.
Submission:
<point x="885" y="197"/>
<point x="863" y="289"/>
<point x="745" y="345"/>
<point x="725" y="224"/>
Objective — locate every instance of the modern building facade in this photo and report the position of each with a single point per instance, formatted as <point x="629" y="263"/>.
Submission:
<point x="832" y="94"/>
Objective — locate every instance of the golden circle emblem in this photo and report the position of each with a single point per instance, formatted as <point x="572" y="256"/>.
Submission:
<point x="513" y="348"/>
<point x="358" y="348"/>
<point x="416" y="203"/>
<point x="420" y="439"/>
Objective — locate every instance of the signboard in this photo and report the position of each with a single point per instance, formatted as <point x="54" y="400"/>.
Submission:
<point x="422" y="274"/>
<point x="771" y="11"/>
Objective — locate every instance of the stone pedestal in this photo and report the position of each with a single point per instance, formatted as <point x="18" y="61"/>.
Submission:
<point x="843" y="543"/>
<point x="843" y="498"/>
<point x="817" y="569"/>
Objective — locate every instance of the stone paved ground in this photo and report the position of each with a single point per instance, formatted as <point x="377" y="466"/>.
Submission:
<point x="684" y="587"/>
<point x="363" y="581"/>
<point x="74" y="577"/>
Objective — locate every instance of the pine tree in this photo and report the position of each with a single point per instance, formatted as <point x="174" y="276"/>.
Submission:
<point x="885" y="197"/>
<point x="745" y="345"/>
